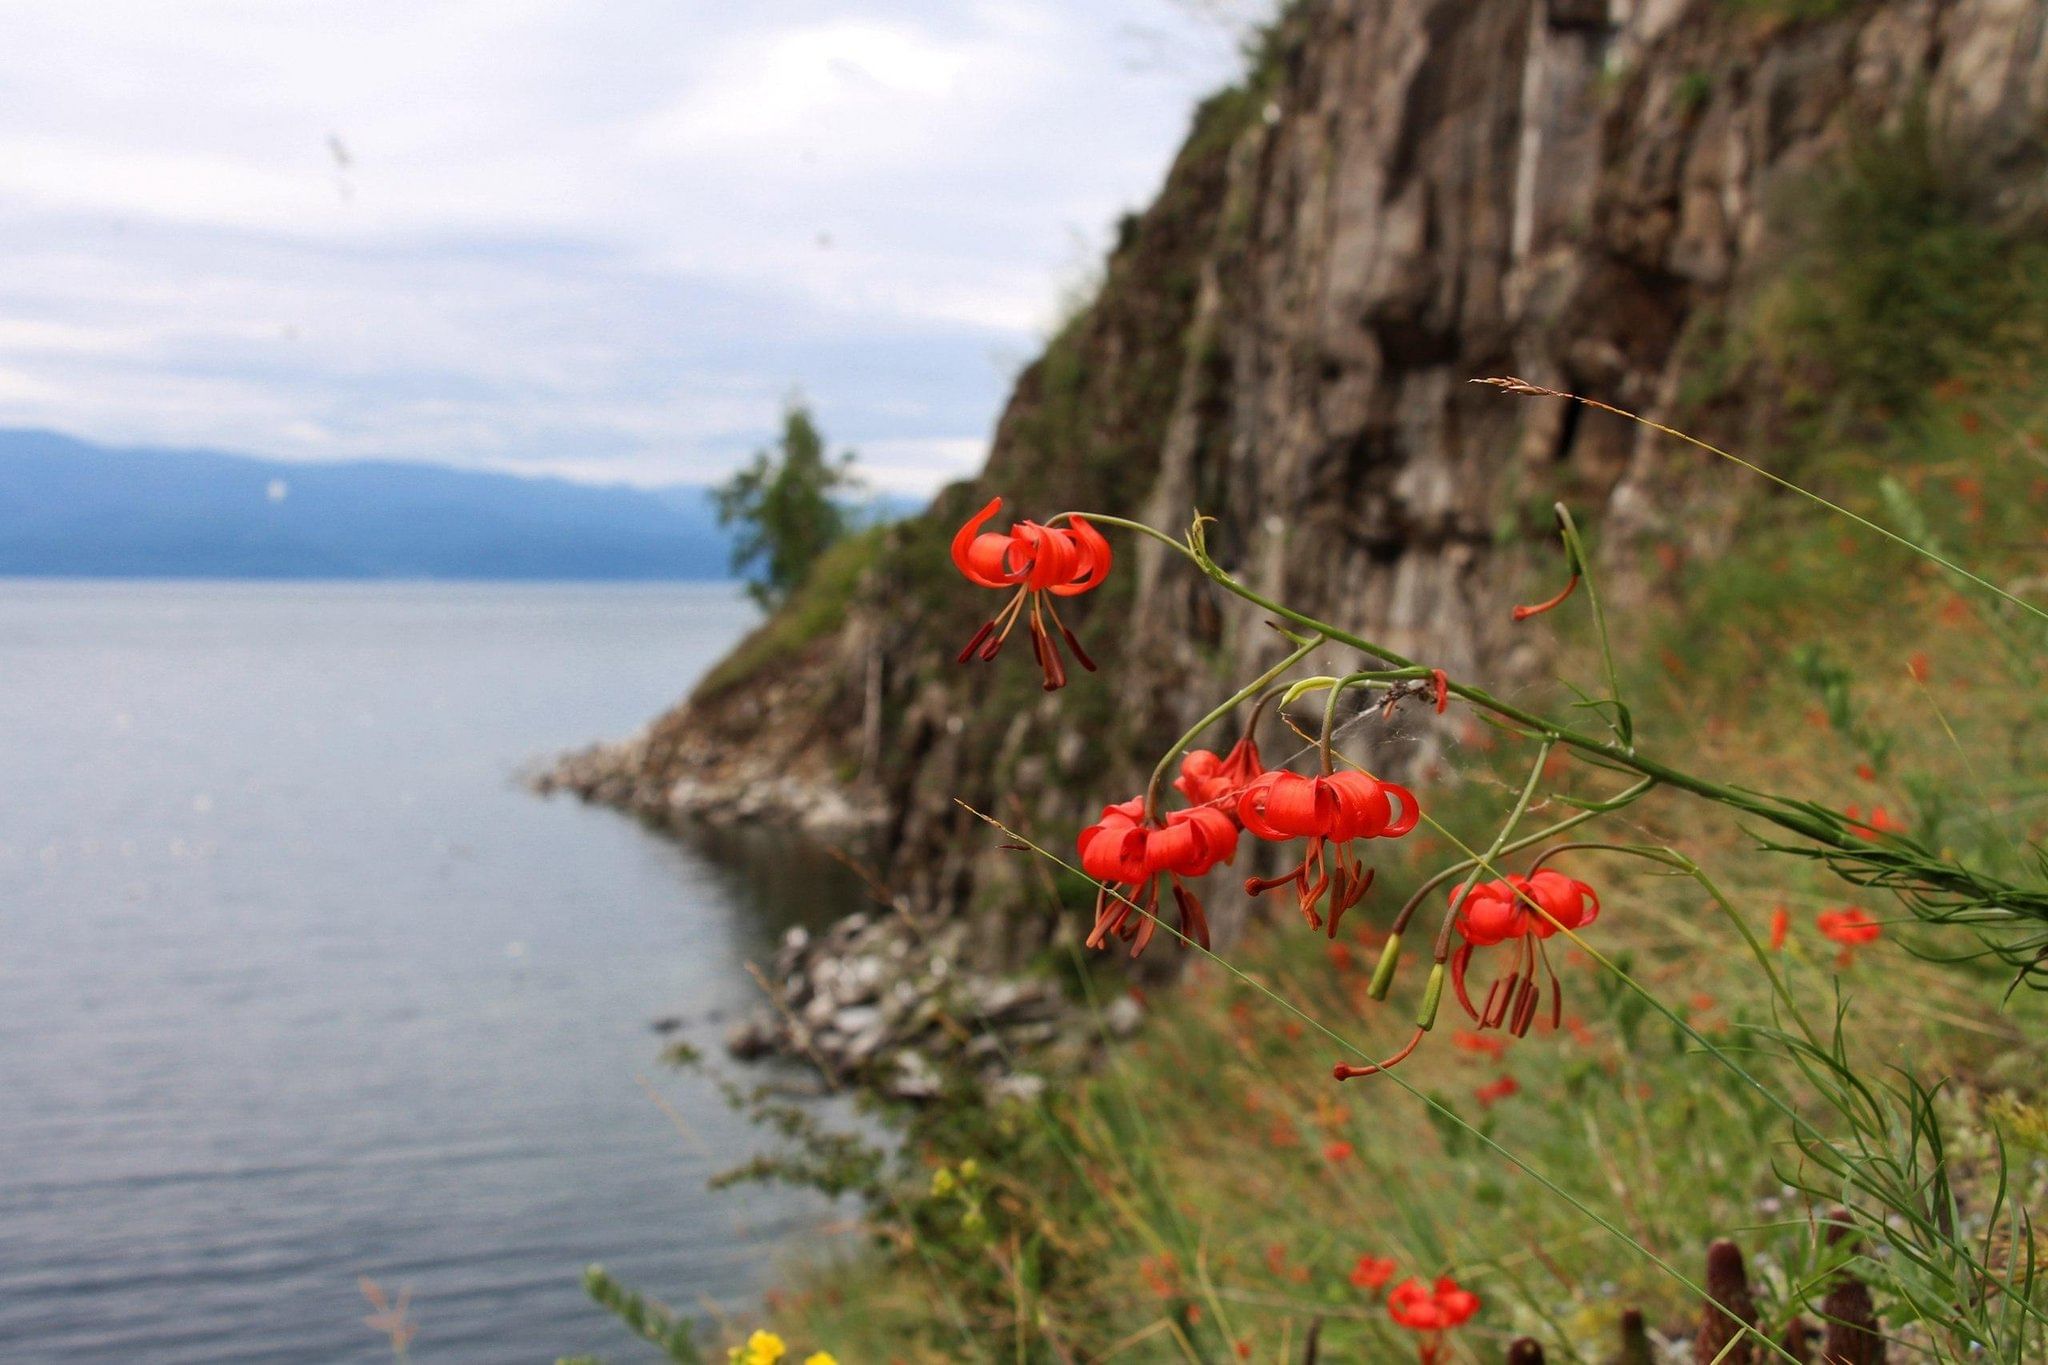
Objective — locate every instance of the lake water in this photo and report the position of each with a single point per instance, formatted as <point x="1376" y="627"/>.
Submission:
<point x="298" y="985"/>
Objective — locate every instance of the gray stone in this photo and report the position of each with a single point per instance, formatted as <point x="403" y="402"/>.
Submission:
<point x="1122" y="1017"/>
<point x="914" y="1078"/>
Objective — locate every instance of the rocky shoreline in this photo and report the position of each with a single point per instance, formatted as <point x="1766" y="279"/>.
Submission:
<point x="623" y="775"/>
<point x="875" y="1002"/>
<point x="878" y="1000"/>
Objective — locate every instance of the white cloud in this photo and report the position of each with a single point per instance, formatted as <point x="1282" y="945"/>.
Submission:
<point x="595" y="239"/>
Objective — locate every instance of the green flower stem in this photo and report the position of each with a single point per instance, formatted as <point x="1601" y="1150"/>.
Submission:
<point x="1808" y="821"/>
<point x="1625" y="798"/>
<point x="1671" y="858"/>
<point x="1442" y="951"/>
<point x="1429" y="1101"/>
<point x="1575" y="550"/>
<point x="1236" y="699"/>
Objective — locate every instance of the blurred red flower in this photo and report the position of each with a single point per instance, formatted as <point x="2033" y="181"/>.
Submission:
<point x="1850" y="926"/>
<point x="1431" y="1310"/>
<point x="1494" y="1091"/>
<point x="1880" y="822"/>
<point x="1465" y="1040"/>
<point x="1372" y="1272"/>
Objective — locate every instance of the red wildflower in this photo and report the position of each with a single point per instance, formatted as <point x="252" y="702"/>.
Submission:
<point x="1125" y="850"/>
<point x="1866" y="772"/>
<point x="1205" y="777"/>
<point x="1499" y="911"/>
<point x="1431" y="1311"/>
<point x="1465" y="1040"/>
<point x="1880" y="822"/>
<point x="1372" y="1271"/>
<point x="1329" y="811"/>
<point x="1920" y="666"/>
<point x="1577" y="1028"/>
<point x="1497" y="1090"/>
<point x="1161" y="1274"/>
<point x="1339" y="1150"/>
<point x="1041" y="562"/>
<point x="1851" y="926"/>
<point x="1781" y="924"/>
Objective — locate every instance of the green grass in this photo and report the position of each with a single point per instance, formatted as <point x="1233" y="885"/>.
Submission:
<point x="1186" y="1199"/>
<point x="815" y="609"/>
<point x="1901" y="272"/>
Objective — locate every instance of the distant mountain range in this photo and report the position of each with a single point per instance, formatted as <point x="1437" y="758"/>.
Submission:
<point x="69" y="508"/>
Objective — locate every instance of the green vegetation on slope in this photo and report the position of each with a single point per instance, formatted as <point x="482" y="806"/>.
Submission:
<point x="1211" y="1187"/>
<point x="1207" y="1193"/>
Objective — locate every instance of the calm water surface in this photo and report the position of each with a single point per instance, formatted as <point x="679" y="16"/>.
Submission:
<point x="297" y="984"/>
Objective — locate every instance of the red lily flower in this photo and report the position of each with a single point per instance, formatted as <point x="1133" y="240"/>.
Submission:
<point x="1205" y="777"/>
<point x="1123" y="849"/>
<point x="1467" y="1041"/>
<point x="1498" y="911"/>
<point x="1852" y="927"/>
<point x="1849" y="926"/>
<point x="1372" y="1271"/>
<point x="1041" y="562"/>
<point x="1880" y="822"/>
<point x="1329" y="811"/>
<point x="1431" y="1311"/>
<point x="1493" y="1091"/>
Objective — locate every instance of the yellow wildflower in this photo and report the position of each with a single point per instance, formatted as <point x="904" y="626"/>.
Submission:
<point x="762" y="1348"/>
<point x="942" y="1183"/>
<point x="821" y="1358"/>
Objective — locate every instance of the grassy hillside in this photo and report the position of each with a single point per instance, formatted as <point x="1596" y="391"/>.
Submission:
<point x="1209" y="1192"/>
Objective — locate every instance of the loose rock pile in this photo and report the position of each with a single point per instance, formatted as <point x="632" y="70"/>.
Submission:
<point x="874" y="1001"/>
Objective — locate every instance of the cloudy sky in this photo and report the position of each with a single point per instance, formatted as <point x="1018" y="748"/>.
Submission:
<point x="600" y="238"/>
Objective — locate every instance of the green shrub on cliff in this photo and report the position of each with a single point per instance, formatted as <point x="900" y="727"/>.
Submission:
<point x="785" y="508"/>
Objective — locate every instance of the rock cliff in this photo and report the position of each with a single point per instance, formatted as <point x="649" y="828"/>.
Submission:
<point x="1404" y="195"/>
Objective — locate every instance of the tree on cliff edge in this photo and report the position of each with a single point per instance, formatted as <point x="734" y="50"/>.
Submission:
<point x="784" y="507"/>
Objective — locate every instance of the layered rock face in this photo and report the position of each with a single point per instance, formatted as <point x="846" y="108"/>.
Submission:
<point x="1405" y="196"/>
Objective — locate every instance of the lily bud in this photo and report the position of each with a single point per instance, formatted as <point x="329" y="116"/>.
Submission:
<point x="1432" y="996"/>
<point x="1383" y="975"/>
<point x="1304" y="687"/>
